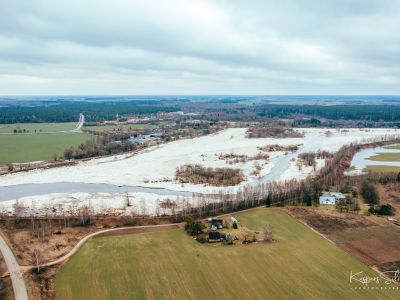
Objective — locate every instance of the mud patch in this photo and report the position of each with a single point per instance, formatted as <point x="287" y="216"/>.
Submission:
<point x="330" y="222"/>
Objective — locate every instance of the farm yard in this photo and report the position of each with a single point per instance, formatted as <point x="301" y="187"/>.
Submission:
<point x="170" y="264"/>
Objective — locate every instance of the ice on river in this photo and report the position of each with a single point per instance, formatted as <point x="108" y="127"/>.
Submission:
<point x="155" y="167"/>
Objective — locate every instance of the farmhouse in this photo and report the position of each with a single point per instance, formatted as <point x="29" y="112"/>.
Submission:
<point x="330" y="198"/>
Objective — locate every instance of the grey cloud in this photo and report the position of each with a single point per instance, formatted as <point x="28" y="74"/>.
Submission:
<point x="195" y="46"/>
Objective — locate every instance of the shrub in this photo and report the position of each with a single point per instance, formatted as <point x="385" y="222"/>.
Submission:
<point x="268" y="201"/>
<point x="386" y="210"/>
<point x="193" y="227"/>
<point x="347" y="205"/>
<point x="371" y="210"/>
<point x="215" y="176"/>
<point x="383" y="210"/>
<point x="202" y="239"/>
<point x="308" y="158"/>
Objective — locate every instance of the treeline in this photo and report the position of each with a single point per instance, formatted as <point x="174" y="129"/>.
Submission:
<point x="301" y="115"/>
<point x="334" y="112"/>
<point x="69" y="111"/>
<point x="370" y="193"/>
<point x="272" y="131"/>
<point x="102" y="145"/>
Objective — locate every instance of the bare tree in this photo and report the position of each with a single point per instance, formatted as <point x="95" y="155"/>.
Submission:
<point x="37" y="259"/>
<point x="127" y="200"/>
<point x="268" y="237"/>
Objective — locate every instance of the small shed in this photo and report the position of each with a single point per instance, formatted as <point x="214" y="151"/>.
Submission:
<point x="217" y="222"/>
<point x="338" y="196"/>
<point x="222" y="236"/>
<point x="214" y="236"/>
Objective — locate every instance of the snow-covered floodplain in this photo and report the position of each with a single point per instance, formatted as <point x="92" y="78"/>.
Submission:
<point x="156" y="166"/>
<point x="60" y="204"/>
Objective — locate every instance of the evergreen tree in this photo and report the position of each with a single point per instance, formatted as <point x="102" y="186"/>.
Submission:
<point x="268" y="201"/>
<point x="369" y="193"/>
<point x="307" y="198"/>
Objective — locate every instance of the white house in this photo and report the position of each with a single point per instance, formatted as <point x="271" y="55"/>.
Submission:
<point x="330" y="198"/>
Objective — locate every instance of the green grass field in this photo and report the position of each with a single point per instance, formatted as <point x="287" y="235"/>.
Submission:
<point x="31" y="127"/>
<point x="40" y="141"/>
<point x="385" y="157"/>
<point x="34" y="147"/>
<point x="383" y="168"/>
<point x="397" y="147"/>
<point x="171" y="265"/>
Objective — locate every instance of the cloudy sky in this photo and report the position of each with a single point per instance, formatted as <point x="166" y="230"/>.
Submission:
<point x="199" y="47"/>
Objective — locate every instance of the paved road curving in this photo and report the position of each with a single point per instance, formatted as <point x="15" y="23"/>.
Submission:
<point x="108" y="232"/>
<point x="122" y="231"/>
<point x="80" y="123"/>
<point x="14" y="270"/>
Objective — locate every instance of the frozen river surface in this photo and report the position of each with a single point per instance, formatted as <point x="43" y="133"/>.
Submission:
<point x="152" y="171"/>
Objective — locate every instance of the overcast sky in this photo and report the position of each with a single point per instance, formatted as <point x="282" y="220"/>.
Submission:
<point x="199" y="47"/>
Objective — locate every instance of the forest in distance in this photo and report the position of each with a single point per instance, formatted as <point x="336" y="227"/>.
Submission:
<point x="226" y="109"/>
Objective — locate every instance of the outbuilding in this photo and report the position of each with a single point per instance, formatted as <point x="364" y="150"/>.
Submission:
<point x="218" y="223"/>
<point x="214" y="236"/>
